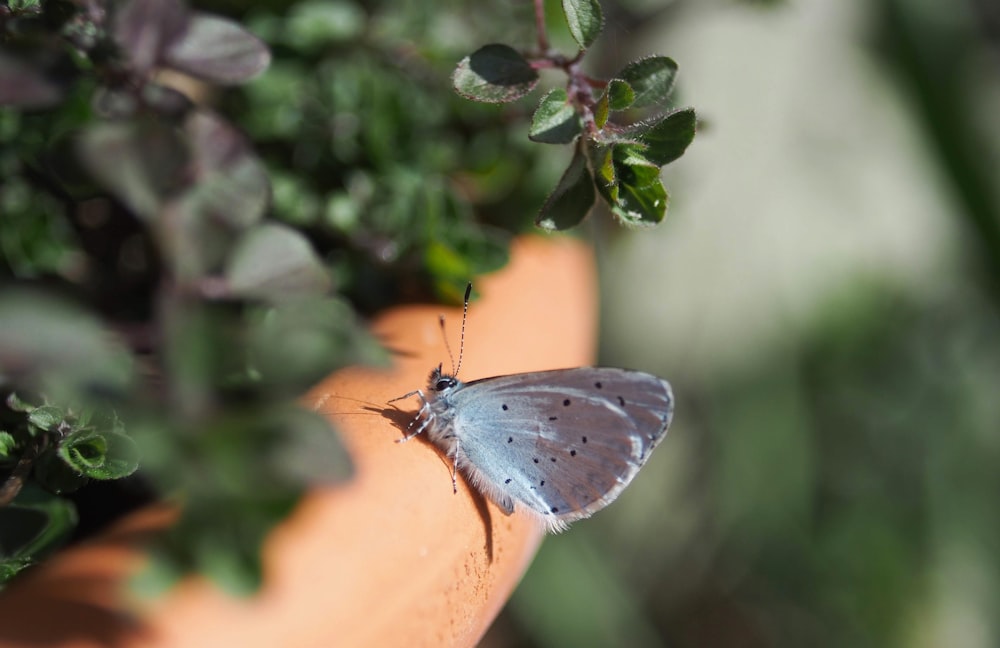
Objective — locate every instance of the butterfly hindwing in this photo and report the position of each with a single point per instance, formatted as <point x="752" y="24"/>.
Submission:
<point x="563" y="443"/>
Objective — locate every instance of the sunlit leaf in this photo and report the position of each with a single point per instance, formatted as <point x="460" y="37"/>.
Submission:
<point x="494" y="74"/>
<point x="555" y="120"/>
<point x="585" y="20"/>
<point x="652" y="79"/>
<point x="667" y="137"/>
<point x="217" y="49"/>
<point x="275" y="262"/>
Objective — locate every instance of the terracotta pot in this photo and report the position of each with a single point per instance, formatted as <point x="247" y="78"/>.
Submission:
<point x="391" y="558"/>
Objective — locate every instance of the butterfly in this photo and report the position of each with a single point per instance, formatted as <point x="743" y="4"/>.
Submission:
<point x="562" y="444"/>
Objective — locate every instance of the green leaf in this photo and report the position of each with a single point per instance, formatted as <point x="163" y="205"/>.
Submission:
<point x="47" y="417"/>
<point x="31" y="527"/>
<point x="465" y="252"/>
<point x="494" y="74"/>
<point x="55" y="475"/>
<point x="311" y="452"/>
<point x="641" y="205"/>
<point x="18" y="404"/>
<point x="639" y="175"/>
<point x="602" y="110"/>
<point x="667" y="137"/>
<point x="275" y="262"/>
<point x="603" y="164"/>
<point x="295" y="343"/>
<point x="620" y="94"/>
<point x="318" y="23"/>
<point x="7" y="443"/>
<point x="652" y="79"/>
<point x="555" y="121"/>
<point x="100" y="454"/>
<point x="585" y="20"/>
<point x="571" y="200"/>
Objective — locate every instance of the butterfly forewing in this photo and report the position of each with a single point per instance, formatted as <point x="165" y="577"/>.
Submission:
<point x="563" y="443"/>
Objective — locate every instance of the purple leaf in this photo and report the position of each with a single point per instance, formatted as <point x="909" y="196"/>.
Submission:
<point x="219" y="50"/>
<point x="229" y="182"/>
<point x="145" y="29"/>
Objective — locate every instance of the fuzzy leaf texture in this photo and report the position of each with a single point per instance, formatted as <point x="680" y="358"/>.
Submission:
<point x="555" y="120"/>
<point x="652" y="79"/>
<point x="494" y="74"/>
<point x="585" y="20"/>
<point x="667" y="137"/>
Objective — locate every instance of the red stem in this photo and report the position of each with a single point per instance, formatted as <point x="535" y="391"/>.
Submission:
<point x="543" y="38"/>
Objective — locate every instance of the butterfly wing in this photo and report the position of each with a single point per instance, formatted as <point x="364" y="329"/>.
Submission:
<point x="564" y="443"/>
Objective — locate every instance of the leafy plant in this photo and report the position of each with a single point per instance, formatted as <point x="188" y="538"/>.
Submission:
<point x="620" y="163"/>
<point x="195" y="212"/>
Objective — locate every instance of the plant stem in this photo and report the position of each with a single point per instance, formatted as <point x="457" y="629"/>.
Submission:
<point x="543" y="38"/>
<point x="12" y="486"/>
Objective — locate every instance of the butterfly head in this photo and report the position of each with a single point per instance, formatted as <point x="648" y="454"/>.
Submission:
<point x="440" y="381"/>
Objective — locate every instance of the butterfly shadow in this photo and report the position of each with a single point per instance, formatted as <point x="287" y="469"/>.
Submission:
<point x="401" y="420"/>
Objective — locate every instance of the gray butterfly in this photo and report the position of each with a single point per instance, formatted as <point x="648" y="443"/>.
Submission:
<point x="563" y="444"/>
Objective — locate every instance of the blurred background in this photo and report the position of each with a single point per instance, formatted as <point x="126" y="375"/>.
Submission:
<point x="823" y="297"/>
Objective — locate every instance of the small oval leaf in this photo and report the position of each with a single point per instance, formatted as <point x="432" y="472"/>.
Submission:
<point x="652" y="79"/>
<point x="585" y="20"/>
<point x="275" y="262"/>
<point x="146" y="28"/>
<point x="667" y="137"/>
<point x="571" y="200"/>
<point x="219" y="50"/>
<point x="555" y="120"/>
<point x="641" y="205"/>
<point x="620" y="94"/>
<point x="602" y="111"/>
<point x="494" y="74"/>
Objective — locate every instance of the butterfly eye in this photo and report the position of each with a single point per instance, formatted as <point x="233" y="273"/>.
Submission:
<point x="444" y="383"/>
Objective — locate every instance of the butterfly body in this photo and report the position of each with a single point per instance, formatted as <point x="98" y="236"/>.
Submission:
<point x="562" y="444"/>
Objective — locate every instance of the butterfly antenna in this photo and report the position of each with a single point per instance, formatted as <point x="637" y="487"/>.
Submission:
<point x="461" y="343"/>
<point x="446" y="345"/>
<point x="465" y="315"/>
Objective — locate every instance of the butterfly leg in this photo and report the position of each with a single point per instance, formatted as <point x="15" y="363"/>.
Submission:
<point x="424" y="415"/>
<point x="454" y="468"/>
